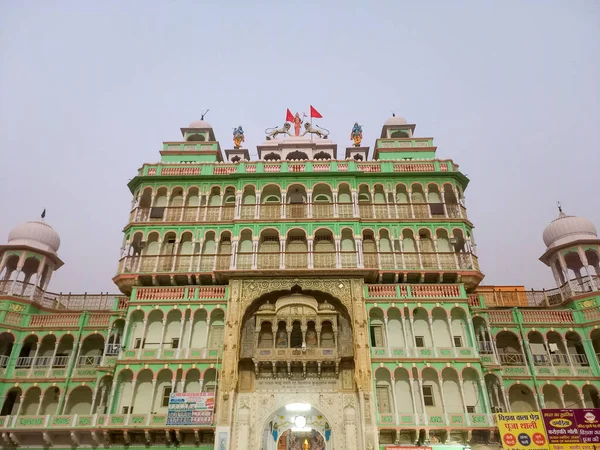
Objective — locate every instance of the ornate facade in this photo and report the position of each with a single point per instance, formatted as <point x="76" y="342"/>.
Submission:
<point x="327" y="303"/>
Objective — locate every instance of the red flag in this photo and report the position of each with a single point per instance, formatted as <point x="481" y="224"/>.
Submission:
<point x="314" y="113"/>
<point x="289" y="117"/>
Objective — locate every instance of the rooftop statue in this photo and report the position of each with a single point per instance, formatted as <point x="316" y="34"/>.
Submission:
<point x="309" y="129"/>
<point x="297" y="124"/>
<point x="273" y="132"/>
<point x="356" y="134"/>
<point x="238" y="137"/>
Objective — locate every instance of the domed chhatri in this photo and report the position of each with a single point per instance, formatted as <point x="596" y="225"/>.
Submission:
<point x="38" y="235"/>
<point x="200" y="124"/>
<point x="395" y="120"/>
<point x="565" y="229"/>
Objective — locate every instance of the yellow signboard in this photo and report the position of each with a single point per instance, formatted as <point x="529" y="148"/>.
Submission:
<point x="522" y="431"/>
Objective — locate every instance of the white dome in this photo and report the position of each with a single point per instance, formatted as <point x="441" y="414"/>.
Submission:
<point x="39" y="235"/>
<point x="565" y="229"/>
<point x="199" y="124"/>
<point x="395" y="120"/>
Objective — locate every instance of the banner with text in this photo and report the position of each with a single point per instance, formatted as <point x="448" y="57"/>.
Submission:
<point x="522" y="431"/>
<point x="572" y="429"/>
<point x="191" y="408"/>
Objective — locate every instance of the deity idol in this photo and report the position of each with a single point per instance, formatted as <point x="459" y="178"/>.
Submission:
<point x="238" y="137"/>
<point x="356" y="134"/>
<point x="297" y="124"/>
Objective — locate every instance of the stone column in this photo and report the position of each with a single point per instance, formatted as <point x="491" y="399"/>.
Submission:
<point x="338" y="253"/>
<point x="131" y="398"/>
<point x="404" y="330"/>
<point x="443" y="199"/>
<point x="112" y="395"/>
<point x="359" y="252"/>
<point x="49" y="372"/>
<point x="311" y="262"/>
<point x="153" y="401"/>
<point x="234" y="250"/>
<point x="238" y="205"/>
<point x="257" y="210"/>
<point x="410" y="201"/>
<point x="309" y="204"/>
<point x="161" y="343"/>
<point x="449" y="320"/>
<point x="585" y="263"/>
<point x="393" y="388"/>
<point x="181" y="326"/>
<point x="336" y="212"/>
<point x="282" y="253"/>
<point x="464" y="402"/>
<point x="283" y="200"/>
<point x="425" y="416"/>
<point x="254" y="252"/>
<point x="387" y="337"/>
<point x="139" y="353"/>
<point x="484" y="393"/>
<point x="435" y="349"/>
<point x="190" y="332"/>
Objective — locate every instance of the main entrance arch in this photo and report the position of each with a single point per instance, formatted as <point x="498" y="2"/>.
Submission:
<point x="297" y="426"/>
<point x="297" y="341"/>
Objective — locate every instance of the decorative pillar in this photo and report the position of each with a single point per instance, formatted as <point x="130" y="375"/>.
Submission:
<point x="404" y="331"/>
<point x="359" y="252"/>
<point x="484" y="393"/>
<point x="338" y="253"/>
<point x="131" y="398"/>
<point x="238" y="205"/>
<point x="254" y="252"/>
<point x="449" y="320"/>
<point x="567" y="354"/>
<point x="152" y="401"/>
<point x="393" y="387"/>
<point x="181" y="327"/>
<point x="410" y="201"/>
<point x="585" y="263"/>
<point x="283" y="200"/>
<point x="443" y="199"/>
<point x="201" y="243"/>
<point x="412" y="332"/>
<point x="464" y="402"/>
<point x="282" y="253"/>
<point x="377" y="239"/>
<point x="387" y="336"/>
<point x="112" y="395"/>
<point x="425" y="416"/>
<point x="311" y="262"/>
<point x="189" y="336"/>
<point x="549" y="355"/>
<point x="161" y="343"/>
<point x="49" y="372"/>
<point x="257" y="208"/>
<point x="430" y="321"/>
<point x="139" y="353"/>
<point x="234" y="250"/>
<point x="355" y="210"/>
<point x="94" y="398"/>
<point x="336" y="212"/>
<point x="309" y="203"/>
<point x="505" y="396"/>
<point x="412" y="397"/>
<point x="418" y="245"/>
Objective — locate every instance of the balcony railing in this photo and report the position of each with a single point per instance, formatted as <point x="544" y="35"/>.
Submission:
<point x="24" y="362"/>
<point x="86" y="361"/>
<point x="102" y="301"/>
<point x="296" y="354"/>
<point x="297" y="260"/>
<point x="4" y="361"/>
<point x="315" y="210"/>
<point x="511" y="359"/>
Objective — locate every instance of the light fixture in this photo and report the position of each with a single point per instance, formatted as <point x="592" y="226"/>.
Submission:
<point x="297" y="407"/>
<point x="300" y="421"/>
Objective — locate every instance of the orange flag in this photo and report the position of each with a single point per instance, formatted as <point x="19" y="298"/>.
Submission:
<point x="289" y="117"/>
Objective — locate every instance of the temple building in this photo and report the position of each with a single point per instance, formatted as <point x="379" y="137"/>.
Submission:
<point x="309" y="299"/>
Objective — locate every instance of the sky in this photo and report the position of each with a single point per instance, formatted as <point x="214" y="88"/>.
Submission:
<point x="508" y="89"/>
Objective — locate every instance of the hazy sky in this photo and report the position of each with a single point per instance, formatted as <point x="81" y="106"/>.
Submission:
<point x="508" y="89"/>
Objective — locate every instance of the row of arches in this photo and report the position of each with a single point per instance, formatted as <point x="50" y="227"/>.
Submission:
<point x="418" y="328"/>
<point x="520" y="397"/>
<point x="297" y="201"/>
<point x="180" y="330"/>
<point x="50" y="351"/>
<point x="424" y="248"/>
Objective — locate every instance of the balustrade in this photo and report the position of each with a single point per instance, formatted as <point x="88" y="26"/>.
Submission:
<point x="511" y="359"/>
<point x="320" y="210"/>
<point x="3" y="361"/>
<point x="297" y="260"/>
<point x="94" y="360"/>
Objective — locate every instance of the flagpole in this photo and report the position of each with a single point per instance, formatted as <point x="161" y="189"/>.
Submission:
<point x="310" y="113"/>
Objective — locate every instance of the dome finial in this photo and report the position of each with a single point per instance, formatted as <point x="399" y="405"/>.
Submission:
<point x="203" y="114"/>
<point x="559" y="207"/>
<point x="44" y="214"/>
